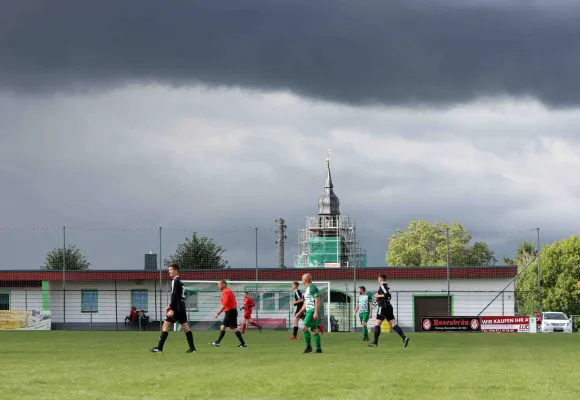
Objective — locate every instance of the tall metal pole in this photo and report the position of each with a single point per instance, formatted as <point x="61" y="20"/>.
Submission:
<point x="448" y="276"/>
<point x="63" y="278"/>
<point x="257" y="293"/>
<point x="539" y="276"/>
<point x="160" y="279"/>
<point x="353" y="304"/>
<point x="256" y="240"/>
<point x="63" y="257"/>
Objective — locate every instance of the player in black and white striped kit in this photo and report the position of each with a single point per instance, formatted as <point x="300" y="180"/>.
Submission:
<point x="385" y="312"/>
<point x="175" y="312"/>
<point x="297" y="302"/>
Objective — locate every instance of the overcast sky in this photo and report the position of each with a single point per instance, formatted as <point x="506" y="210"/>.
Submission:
<point x="120" y="117"/>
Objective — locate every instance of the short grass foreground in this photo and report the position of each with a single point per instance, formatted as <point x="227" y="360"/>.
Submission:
<point x="117" y="365"/>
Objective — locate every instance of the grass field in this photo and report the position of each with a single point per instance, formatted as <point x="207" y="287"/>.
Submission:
<point x="117" y="365"/>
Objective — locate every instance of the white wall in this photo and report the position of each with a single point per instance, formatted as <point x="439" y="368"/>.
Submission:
<point x="113" y="305"/>
<point x="24" y="298"/>
<point x="469" y="298"/>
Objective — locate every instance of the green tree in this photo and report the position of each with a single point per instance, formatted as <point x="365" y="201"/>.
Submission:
<point x="524" y="248"/>
<point x="198" y="252"/>
<point x="526" y="285"/>
<point x="423" y="244"/>
<point x="560" y="276"/>
<point x="74" y="260"/>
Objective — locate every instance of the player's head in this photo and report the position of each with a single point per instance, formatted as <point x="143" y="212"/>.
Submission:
<point x="246" y="294"/>
<point x="382" y="278"/>
<point x="307" y="279"/>
<point x="222" y="284"/>
<point x="362" y="290"/>
<point x="173" y="270"/>
<point x="295" y="285"/>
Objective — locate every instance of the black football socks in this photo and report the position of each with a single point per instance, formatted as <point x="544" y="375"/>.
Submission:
<point x="222" y="334"/>
<point x="295" y="331"/>
<point x="189" y="336"/>
<point x="162" y="340"/>
<point x="377" y="334"/>
<point x="240" y="338"/>
<point x="399" y="331"/>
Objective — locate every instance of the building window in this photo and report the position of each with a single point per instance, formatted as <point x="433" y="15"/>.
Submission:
<point x="89" y="301"/>
<point x="139" y="299"/>
<point x="269" y="301"/>
<point x="284" y="301"/>
<point x="5" y="301"/>
<point x="191" y="301"/>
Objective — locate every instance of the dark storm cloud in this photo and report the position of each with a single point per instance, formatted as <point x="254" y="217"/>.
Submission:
<point x="390" y="52"/>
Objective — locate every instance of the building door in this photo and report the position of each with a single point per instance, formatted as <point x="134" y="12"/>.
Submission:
<point x="429" y="306"/>
<point x="5" y="301"/>
<point x="340" y="311"/>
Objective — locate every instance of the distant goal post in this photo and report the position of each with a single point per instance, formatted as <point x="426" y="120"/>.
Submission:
<point x="274" y="309"/>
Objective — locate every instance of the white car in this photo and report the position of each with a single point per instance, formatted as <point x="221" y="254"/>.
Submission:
<point x="556" y="322"/>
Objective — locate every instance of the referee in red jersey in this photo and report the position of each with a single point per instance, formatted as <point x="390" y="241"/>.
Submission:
<point x="230" y="308"/>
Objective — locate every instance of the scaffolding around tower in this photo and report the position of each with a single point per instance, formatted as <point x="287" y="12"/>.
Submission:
<point x="329" y="241"/>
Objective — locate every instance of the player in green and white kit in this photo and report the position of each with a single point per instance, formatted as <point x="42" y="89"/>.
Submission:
<point x="364" y="309"/>
<point x="311" y="305"/>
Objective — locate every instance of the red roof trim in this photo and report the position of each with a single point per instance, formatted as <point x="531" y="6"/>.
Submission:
<point x="392" y="273"/>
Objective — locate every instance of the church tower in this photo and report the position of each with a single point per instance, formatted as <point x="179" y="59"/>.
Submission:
<point x="329" y="240"/>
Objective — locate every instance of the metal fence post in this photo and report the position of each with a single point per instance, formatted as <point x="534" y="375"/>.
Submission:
<point x="63" y="308"/>
<point x="64" y="277"/>
<point x="539" y="276"/>
<point x="397" y="300"/>
<point x="116" y="309"/>
<point x="160" y="279"/>
<point x="448" y="275"/>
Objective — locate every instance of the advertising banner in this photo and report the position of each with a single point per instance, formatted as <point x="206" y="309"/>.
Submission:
<point x="506" y="324"/>
<point x="25" y="320"/>
<point x="450" y="324"/>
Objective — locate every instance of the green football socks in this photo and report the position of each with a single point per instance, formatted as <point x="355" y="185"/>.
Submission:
<point x="307" y="337"/>
<point x="316" y="338"/>
<point x="365" y="332"/>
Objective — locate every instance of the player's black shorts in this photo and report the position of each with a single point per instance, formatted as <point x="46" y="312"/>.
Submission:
<point x="301" y="315"/>
<point x="180" y="316"/>
<point x="385" y="312"/>
<point x="231" y="319"/>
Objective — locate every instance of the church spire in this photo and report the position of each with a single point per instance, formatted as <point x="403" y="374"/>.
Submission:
<point x="328" y="203"/>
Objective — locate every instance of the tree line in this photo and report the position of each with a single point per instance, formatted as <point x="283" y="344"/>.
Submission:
<point x="196" y="252"/>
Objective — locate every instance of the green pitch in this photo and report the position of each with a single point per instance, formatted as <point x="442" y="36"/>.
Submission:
<point x="117" y="365"/>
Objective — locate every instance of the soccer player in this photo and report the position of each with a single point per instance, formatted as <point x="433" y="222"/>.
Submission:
<point x="248" y="306"/>
<point x="310" y="307"/>
<point x="175" y="311"/>
<point x="297" y="302"/>
<point x="230" y="308"/>
<point x="385" y="312"/>
<point x="364" y="309"/>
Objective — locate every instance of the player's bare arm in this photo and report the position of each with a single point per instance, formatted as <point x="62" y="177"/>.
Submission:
<point x="316" y="305"/>
<point x="219" y="312"/>
<point x="301" y="309"/>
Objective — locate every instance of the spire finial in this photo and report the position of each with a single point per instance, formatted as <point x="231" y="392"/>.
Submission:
<point x="328" y="203"/>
